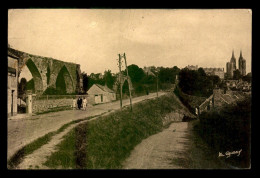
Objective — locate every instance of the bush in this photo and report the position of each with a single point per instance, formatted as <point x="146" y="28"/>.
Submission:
<point x="229" y="130"/>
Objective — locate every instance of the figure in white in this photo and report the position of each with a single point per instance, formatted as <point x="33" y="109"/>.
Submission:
<point x="196" y="111"/>
<point x="85" y="104"/>
<point x="74" y="103"/>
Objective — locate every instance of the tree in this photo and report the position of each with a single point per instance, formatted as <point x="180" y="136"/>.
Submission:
<point x="237" y="75"/>
<point x="30" y="85"/>
<point x="168" y="75"/>
<point x="215" y="79"/>
<point x="196" y="83"/>
<point x="109" y="79"/>
<point x="136" y="74"/>
<point x="201" y="72"/>
<point x="247" y="77"/>
<point x="85" y="81"/>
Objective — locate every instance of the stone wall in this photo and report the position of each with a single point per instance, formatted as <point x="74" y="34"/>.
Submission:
<point x="44" y="104"/>
<point x="47" y="105"/>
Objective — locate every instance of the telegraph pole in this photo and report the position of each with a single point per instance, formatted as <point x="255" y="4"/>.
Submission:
<point x="120" y="80"/>
<point x="157" y="84"/>
<point x="128" y="83"/>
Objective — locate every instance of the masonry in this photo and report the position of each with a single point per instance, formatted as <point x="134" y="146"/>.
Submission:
<point x="48" y="104"/>
<point x="47" y="72"/>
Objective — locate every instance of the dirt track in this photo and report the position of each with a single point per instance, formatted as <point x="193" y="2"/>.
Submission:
<point x="157" y="151"/>
<point x="174" y="148"/>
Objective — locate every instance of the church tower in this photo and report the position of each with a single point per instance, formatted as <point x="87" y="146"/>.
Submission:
<point x="233" y="61"/>
<point x="242" y="64"/>
<point x="231" y="66"/>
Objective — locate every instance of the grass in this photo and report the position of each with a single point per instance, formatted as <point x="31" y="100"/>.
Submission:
<point x="17" y="158"/>
<point x="109" y="140"/>
<point x="229" y="129"/>
<point x="198" y="154"/>
<point x="190" y="101"/>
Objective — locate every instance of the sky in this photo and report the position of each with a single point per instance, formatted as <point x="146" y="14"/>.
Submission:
<point x="93" y="38"/>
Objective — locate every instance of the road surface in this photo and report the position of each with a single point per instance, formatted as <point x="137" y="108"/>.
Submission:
<point x="23" y="131"/>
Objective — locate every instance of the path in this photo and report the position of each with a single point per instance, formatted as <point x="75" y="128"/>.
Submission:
<point x="23" y="131"/>
<point x="156" y="151"/>
<point x="174" y="148"/>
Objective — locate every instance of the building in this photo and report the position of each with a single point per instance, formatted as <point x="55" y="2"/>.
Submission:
<point x="231" y="66"/>
<point x="149" y="70"/>
<point x="12" y="84"/>
<point x="191" y="67"/>
<point x="215" y="71"/>
<point x="100" y="94"/>
<point x="242" y="64"/>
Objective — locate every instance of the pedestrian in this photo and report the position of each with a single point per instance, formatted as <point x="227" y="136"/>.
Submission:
<point x="78" y="102"/>
<point x="85" y="104"/>
<point x="74" y="103"/>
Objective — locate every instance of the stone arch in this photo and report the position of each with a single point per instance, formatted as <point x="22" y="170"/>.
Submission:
<point x="64" y="82"/>
<point x="38" y="83"/>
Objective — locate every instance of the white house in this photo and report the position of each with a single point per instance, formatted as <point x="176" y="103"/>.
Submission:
<point x="100" y="94"/>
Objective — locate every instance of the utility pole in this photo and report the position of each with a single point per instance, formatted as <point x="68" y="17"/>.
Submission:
<point x="157" y="84"/>
<point x="120" y="79"/>
<point x="128" y="83"/>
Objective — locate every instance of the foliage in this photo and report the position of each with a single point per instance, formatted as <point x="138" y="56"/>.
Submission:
<point x="168" y="75"/>
<point x="135" y="73"/>
<point x="229" y="130"/>
<point x="30" y="85"/>
<point x="197" y="83"/>
<point x="191" y="102"/>
<point x="247" y="77"/>
<point x="142" y="83"/>
<point x="109" y="79"/>
<point x="51" y="91"/>
<point x="85" y="80"/>
<point x="237" y="75"/>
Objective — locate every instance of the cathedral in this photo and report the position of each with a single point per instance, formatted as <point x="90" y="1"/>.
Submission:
<point x="231" y="66"/>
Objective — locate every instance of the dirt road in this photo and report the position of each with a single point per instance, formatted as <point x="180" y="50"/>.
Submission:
<point x="174" y="148"/>
<point x="24" y="131"/>
<point x="156" y="151"/>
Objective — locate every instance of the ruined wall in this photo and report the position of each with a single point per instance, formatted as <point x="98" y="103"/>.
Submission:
<point x="45" y="71"/>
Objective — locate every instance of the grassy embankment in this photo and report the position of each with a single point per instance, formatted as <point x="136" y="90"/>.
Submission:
<point x="228" y="129"/>
<point x="191" y="102"/>
<point x="106" y="142"/>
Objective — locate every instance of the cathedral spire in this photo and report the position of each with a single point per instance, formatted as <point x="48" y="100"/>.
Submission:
<point x="241" y="53"/>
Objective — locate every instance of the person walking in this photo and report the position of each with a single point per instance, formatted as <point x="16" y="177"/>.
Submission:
<point x="85" y="104"/>
<point x="79" y="103"/>
<point x="74" y="103"/>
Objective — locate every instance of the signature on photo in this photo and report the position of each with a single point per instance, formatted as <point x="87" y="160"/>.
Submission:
<point x="229" y="153"/>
